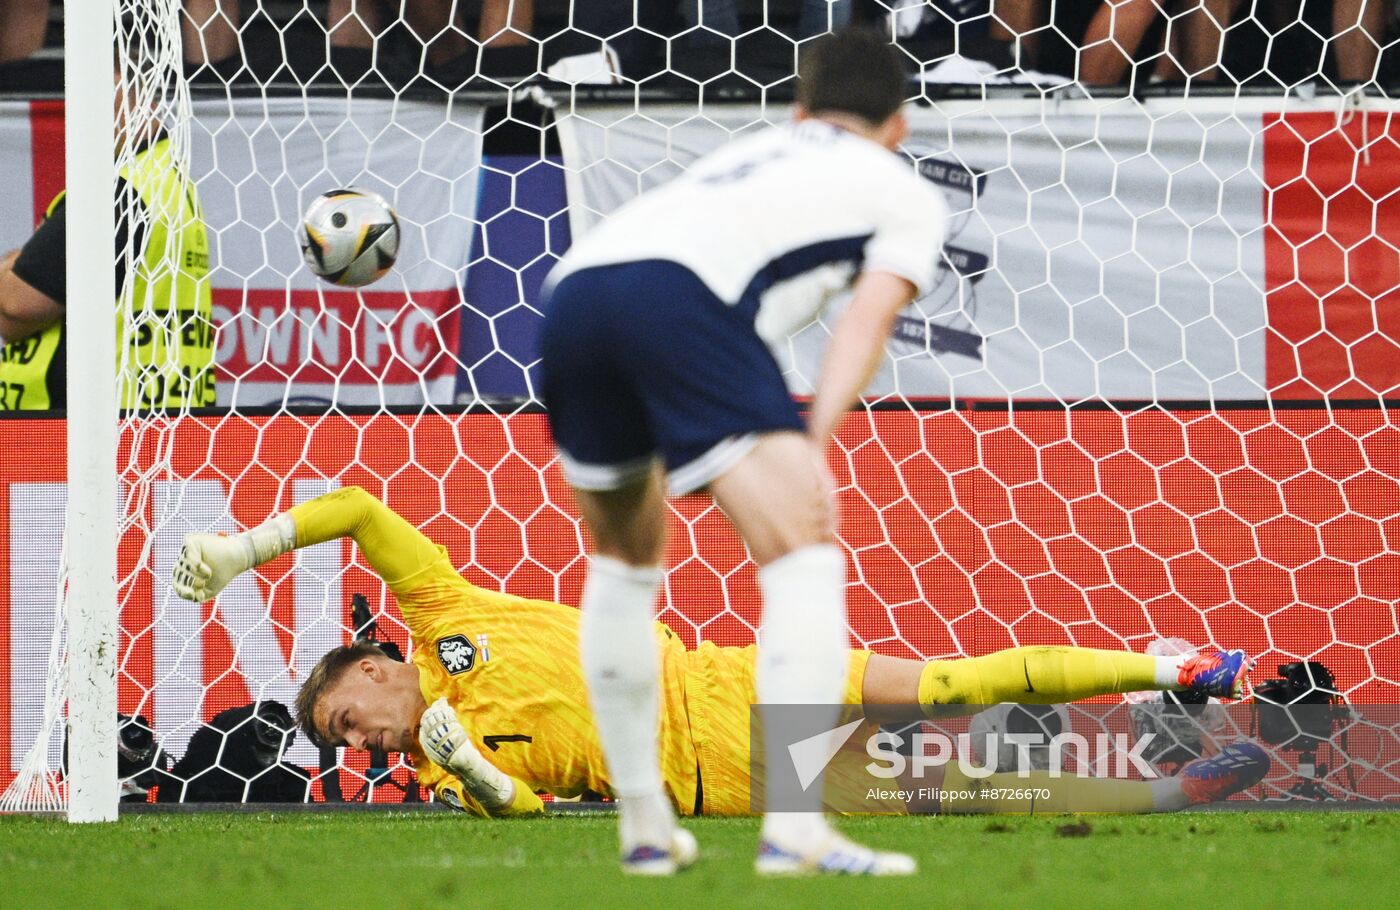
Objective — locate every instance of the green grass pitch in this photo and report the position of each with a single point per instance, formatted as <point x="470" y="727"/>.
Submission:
<point x="433" y="859"/>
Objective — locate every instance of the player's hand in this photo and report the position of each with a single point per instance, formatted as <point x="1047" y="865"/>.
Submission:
<point x="446" y="742"/>
<point x="206" y="565"/>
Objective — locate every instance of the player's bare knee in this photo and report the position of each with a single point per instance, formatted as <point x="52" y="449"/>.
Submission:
<point x="633" y="551"/>
<point x="803" y="526"/>
<point x="639" y="542"/>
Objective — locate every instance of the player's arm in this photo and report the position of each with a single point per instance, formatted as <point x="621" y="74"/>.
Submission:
<point x="447" y="744"/>
<point x="33" y="280"/>
<point x="24" y="309"/>
<point x="398" y="552"/>
<point x="856" y="346"/>
<point x="900" y="259"/>
<point x="453" y="792"/>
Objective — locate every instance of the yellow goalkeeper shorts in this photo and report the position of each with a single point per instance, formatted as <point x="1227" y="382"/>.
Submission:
<point x="719" y="690"/>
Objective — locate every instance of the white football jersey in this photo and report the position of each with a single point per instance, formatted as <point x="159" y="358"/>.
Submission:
<point x="781" y="221"/>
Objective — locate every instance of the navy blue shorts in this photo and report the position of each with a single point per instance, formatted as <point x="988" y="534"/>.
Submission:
<point x="641" y="359"/>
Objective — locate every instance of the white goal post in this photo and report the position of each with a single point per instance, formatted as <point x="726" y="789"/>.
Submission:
<point x="91" y="568"/>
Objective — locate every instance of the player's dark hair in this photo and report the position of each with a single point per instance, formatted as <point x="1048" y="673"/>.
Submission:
<point x="323" y="676"/>
<point x="852" y="71"/>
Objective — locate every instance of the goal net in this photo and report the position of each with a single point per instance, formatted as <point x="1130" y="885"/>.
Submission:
<point x="1155" y="393"/>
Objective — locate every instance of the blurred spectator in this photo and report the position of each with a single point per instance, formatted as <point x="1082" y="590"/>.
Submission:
<point x="1358" y="27"/>
<point x="356" y="25"/>
<point x="1299" y="33"/>
<point x="209" y="32"/>
<point x="169" y="351"/>
<point x="821" y="16"/>
<point x="1192" y="44"/>
<point x="22" y="27"/>
<point x="639" y="35"/>
<point x="934" y="30"/>
<point x="1195" y="29"/>
<point x="705" y="36"/>
<point x="506" y="23"/>
<point x="437" y="41"/>
<point x="1020" y="23"/>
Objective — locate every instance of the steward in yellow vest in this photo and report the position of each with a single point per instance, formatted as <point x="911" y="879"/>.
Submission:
<point x="165" y="332"/>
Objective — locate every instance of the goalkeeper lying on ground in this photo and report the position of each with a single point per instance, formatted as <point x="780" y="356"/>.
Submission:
<point x="506" y="669"/>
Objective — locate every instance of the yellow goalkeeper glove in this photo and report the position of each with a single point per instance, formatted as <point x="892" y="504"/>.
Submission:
<point x="446" y="742"/>
<point x="207" y="563"/>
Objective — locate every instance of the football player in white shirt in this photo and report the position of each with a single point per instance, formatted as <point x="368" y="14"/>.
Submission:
<point x="656" y="368"/>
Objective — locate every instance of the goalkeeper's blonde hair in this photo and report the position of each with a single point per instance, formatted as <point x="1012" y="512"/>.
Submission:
<point x="323" y="676"/>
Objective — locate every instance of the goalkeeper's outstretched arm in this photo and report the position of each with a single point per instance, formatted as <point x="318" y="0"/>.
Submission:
<point x="397" y="551"/>
<point x="399" y="554"/>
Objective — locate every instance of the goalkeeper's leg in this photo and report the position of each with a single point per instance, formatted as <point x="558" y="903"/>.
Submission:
<point x="1044" y="675"/>
<point x="618" y="650"/>
<point x="1204" y="780"/>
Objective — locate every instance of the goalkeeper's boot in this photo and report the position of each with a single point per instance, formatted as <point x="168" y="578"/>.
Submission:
<point x="1236" y="767"/>
<point x="646" y="859"/>
<point x="830" y="854"/>
<point x="207" y="564"/>
<point x="1220" y="674"/>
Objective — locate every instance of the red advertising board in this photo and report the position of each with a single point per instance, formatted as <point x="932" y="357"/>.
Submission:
<point x="968" y="530"/>
<point x="1332" y="254"/>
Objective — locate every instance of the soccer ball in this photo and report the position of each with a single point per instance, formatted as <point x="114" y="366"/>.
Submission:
<point x="349" y="237"/>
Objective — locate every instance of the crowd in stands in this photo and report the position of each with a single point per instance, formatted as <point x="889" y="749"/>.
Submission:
<point x="452" y="43"/>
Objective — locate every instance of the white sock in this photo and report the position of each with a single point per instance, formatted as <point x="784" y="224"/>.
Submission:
<point x="1167" y="795"/>
<point x="645" y="820"/>
<point x="268" y="540"/>
<point x="620" y="663"/>
<point x="1168" y="671"/>
<point x="802" y="656"/>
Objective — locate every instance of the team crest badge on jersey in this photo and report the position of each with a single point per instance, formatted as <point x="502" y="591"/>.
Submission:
<point x="457" y="653"/>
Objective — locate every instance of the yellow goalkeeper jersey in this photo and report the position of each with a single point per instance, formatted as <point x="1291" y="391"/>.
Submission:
<point x="510" y="668"/>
